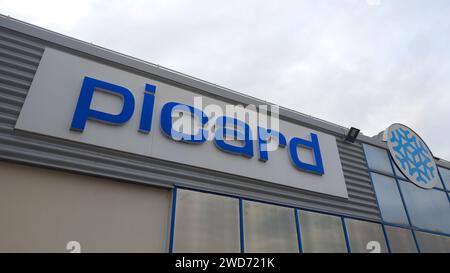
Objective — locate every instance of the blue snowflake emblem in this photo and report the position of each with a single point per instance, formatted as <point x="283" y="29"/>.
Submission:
<point x="412" y="156"/>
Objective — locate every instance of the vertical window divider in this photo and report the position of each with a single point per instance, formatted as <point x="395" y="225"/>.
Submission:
<point x="172" y="220"/>
<point x="388" y="245"/>
<point x="443" y="183"/>
<point x="241" y="224"/>
<point x="347" y="241"/>
<point x="415" y="240"/>
<point x="299" y="236"/>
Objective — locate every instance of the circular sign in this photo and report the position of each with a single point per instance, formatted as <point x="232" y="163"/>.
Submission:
<point x="412" y="156"/>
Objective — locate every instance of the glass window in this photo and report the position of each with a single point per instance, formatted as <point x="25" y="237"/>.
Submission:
<point x="398" y="172"/>
<point x="439" y="185"/>
<point x="445" y="174"/>
<point x="428" y="209"/>
<point x="269" y="228"/>
<point x="389" y="199"/>
<point x="321" y="232"/>
<point x="206" y="223"/>
<point x="400" y="240"/>
<point x="433" y="243"/>
<point x="377" y="159"/>
<point x="361" y="234"/>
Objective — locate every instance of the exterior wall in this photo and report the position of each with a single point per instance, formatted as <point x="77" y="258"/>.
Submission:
<point x="42" y="210"/>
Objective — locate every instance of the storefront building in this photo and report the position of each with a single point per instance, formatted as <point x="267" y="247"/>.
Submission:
<point x="90" y="161"/>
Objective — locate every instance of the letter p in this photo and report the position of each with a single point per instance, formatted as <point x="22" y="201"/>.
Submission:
<point x="83" y="110"/>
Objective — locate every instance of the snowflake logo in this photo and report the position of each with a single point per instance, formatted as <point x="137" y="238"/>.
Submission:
<point x="412" y="156"/>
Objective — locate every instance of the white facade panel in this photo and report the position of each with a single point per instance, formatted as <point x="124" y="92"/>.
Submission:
<point x="51" y="102"/>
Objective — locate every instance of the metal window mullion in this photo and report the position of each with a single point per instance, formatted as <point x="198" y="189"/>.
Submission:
<point x="241" y="225"/>
<point x="172" y="223"/>
<point x="299" y="236"/>
<point x="347" y="241"/>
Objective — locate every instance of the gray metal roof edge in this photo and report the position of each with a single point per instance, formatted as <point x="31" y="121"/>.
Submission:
<point x="163" y="72"/>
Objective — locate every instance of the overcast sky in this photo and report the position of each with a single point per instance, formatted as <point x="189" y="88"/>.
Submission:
<point x="361" y="63"/>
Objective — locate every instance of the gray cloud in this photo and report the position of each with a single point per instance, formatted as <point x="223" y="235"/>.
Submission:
<point x="346" y="61"/>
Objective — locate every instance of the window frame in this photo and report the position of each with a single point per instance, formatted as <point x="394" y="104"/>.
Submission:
<point x="296" y="210"/>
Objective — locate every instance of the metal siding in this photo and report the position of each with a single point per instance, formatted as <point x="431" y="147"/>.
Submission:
<point x="19" y="59"/>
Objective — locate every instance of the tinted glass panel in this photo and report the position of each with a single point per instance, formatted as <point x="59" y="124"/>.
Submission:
<point x="433" y="243"/>
<point x="428" y="209"/>
<point x="206" y="223"/>
<point x="445" y="174"/>
<point x="439" y="185"/>
<point x="400" y="240"/>
<point x="362" y="235"/>
<point x="321" y="233"/>
<point x="269" y="228"/>
<point x="377" y="159"/>
<point x="389" y="199"/>
<point x="398" y="172"/>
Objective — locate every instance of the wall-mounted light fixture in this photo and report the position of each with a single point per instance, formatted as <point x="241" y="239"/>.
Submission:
<point x="352" y="135"/>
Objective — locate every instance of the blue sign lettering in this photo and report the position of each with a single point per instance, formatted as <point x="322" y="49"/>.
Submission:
<point x="223" y="131"/>
<point x="148" y="104"/>
<point x="312" y="145"/>
<point x="263" y="136"/>
<point x="83" y="111"/>
<point x="167" y="128"/>
<point x="225" y="126"/>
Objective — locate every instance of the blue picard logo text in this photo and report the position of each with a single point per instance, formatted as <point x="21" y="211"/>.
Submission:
<point x="225" y="126"/>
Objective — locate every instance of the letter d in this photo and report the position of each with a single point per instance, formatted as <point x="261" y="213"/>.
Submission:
<point x="83" y="111"/>
<point x="313" y="145"/>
